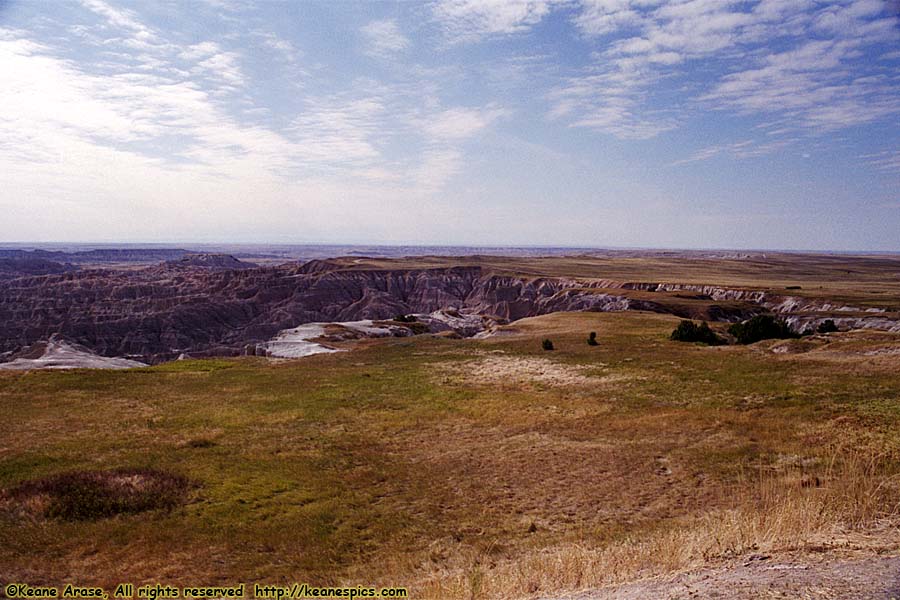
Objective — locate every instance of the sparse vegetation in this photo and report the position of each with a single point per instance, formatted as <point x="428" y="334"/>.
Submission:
<point x="688" y="331"/>
<point x="761" y="327"/>
<point x="547" y="344"/>
<point x="592" y="339"/>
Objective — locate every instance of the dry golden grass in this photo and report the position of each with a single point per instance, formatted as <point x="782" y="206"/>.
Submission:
<point x="783" y="510"/>
<point x="376" y="466"/>
<point x="865" y="280"/>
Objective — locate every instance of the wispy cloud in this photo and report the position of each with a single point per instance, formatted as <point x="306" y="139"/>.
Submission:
<point x="812" y="85"/>
<point x="888" y="160"/>
<point x="383" y="38"/>
<point x="209" y="60"/>
<point x="161" y="109"/>
<point x="286" y="49"/>
<point x="818" y="83"/>
<point x="120" y="18"/>
<point x="338" y="131"/>
<point x="461" y="123"/>
<point x="470" y="20"/>
<point x="230" y="104"/>
<point x="737" y="150"/>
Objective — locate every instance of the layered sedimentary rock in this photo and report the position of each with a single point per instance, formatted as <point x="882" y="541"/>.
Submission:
<point x="220" y="307"/>
<point x="160" y="312"/>
<point x="210" y="261"/>
<point x="103" y="255"/>
<point x="11" y="267"/>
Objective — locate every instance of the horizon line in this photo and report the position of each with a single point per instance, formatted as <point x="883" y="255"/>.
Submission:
<point x="175" y="244"/>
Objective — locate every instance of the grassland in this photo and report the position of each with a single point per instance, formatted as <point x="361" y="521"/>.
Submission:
<point x="861" y="280"/>
<point x="442" y="465"/>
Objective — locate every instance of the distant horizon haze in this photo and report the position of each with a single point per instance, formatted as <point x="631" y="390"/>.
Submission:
<point x="222" y="247"/>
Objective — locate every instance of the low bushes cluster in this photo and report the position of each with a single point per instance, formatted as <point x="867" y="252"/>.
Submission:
<point x="688" y="331"/>
<point x="761" y="327"/>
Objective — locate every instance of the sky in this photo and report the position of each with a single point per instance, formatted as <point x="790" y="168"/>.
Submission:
<point x="763" y="124"/>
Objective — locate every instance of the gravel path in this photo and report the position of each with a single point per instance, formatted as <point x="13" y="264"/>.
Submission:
<point x="767" y="578"/>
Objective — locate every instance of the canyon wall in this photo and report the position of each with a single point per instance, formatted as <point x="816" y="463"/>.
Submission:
<point x="159" y="312"/>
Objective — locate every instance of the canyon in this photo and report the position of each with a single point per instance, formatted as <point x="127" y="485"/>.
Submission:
<point x="219" y="305"/>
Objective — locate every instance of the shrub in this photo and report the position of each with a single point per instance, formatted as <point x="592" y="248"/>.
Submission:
<point x="592" y="339"/>
<point x="827" y="326"/>
<point x="761" y="327"/>
<point x="547" y="344"/>
<point x="406" y="318"/>
<point x="417" y="327"/>
<point x="201" y="443"/>
<point x="688" y="331"/>
<point x="89" y="495"/>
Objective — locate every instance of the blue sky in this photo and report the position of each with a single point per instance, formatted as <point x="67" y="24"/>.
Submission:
<point x="653" y="123"/>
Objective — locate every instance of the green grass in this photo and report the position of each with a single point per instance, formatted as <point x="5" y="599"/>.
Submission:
<point x="372" y="464"/>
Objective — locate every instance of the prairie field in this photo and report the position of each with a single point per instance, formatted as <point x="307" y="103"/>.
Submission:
<point x="466" y="468"/>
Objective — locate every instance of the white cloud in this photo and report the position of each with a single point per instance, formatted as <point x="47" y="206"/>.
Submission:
<point x="600" y="17"/>
<point x="384" y="38"/>
<point x="461" y="123"/>
<point x="144" y="131"/>
<point x="334" y="131"/>
<point x="812" y="85"/>
<point x="469" y="20"/>
<point x="120" y="18"/>
<point x="199" y="51"/>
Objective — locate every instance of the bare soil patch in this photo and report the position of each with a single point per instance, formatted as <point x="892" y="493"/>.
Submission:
<point x="522" y="370"/>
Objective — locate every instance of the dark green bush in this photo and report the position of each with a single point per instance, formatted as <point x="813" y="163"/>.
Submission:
<point x="761" y="327"/>
<point x="547" y="344"/>
<point x="688" y="331"/>
<point x="592" y="339"/>
<point x="827" y="326"/>
<point x="406" y="318"/>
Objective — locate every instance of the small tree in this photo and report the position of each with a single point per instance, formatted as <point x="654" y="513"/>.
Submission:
<point x="827" y="326"/>
<point x="547" y="344"/>
<point x="592" y="339"/>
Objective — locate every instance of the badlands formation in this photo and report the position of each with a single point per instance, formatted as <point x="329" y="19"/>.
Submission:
<point x="194" y="305"/>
